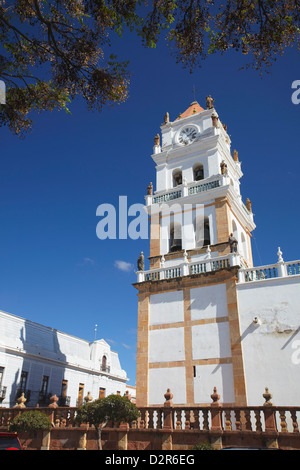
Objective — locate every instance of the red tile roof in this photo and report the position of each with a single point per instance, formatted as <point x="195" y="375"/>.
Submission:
<point x="194" y="108"/>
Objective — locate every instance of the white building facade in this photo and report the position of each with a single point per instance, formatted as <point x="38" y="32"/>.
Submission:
<point x="206" y="316"/>
<point x="41" y="362"/>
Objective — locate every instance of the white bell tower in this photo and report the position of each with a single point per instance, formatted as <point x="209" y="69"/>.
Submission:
<point x="187" y="301"/>
<point x="194" y="167"/>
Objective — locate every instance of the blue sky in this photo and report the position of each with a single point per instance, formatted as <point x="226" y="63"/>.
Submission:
<point x="54" y="269"/>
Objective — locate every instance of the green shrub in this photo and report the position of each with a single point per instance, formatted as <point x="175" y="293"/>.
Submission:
<point x="203" y="446"/>
<point x="30" y="421"/>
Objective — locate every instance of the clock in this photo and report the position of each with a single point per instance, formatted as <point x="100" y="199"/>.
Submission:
<point x="187" y="135"/>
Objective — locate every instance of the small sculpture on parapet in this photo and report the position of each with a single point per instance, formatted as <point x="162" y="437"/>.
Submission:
<point x="150" y="189"/>
<point x="141" y="262"/>
<point x="209" y="102"/>
<point x="233" y="243"/>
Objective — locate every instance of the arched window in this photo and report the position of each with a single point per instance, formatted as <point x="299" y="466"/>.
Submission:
<point x="202" y="231"/>
<point x="244" y="246"/>
<point x="175" y="241"/>
<point x="234" y="229"/>
<point x="104" y="363"/>
<point x="198" y="172"/>
<point x="177" y="177"/>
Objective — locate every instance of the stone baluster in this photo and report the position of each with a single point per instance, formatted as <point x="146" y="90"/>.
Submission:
<point x="294" y="421"/>
<point x="281" y="268"/>
<point x="283" y="423"/>
<point x="216" y="420"/>
<point x="270" y="420"/>
<point x="168" y="410"/>
<point x="228" y="426"/>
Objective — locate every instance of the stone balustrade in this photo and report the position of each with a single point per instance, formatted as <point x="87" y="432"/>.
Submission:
<point x="220" y="425"/>
<point x="185" y="267"/>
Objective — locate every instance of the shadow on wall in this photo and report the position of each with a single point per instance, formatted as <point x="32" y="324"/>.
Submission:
<point x="34" y="375"/>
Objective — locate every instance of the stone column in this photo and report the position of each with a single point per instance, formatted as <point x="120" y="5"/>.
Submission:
<point x="123" y="436"/>
<point x="168" y="422"/>
<point x="46" y="439"/>
<point x="270" y="421"/>
<point x="216" y="421"/>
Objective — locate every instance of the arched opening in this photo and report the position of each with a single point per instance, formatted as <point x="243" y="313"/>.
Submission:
<point x="202" y="231"/>
<point x="177" y="177"/>
<point x="244" y="246"/>
<point x="234" y="229"/>
<point x="175" y="241"/>
<point x="104" y="363"/>
<point x="198" y="172"/>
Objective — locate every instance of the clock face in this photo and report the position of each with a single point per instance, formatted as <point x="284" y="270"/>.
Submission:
<point x="187" y="135"/>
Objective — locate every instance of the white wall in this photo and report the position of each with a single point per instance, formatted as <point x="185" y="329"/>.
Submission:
<point x="166" y="345"/>
<point x="271" y="350"/>
<point x="211" y="340"/>
<point x="210" y="376"/>
<point x="161" y="379"/>
<point x="166" y="308"/>
<point x="209" y="302"/>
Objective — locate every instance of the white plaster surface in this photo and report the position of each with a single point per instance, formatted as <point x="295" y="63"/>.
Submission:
<point x="209" y="302"/>
<point x="271" y="348"/>
<point x="166" y="308"/>
<point x="161" y="379"/>
<point x="211" y="340"/>
<point x="210" y="376"/>
<point x="166" y="345"/>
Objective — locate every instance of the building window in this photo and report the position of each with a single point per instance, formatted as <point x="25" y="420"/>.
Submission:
<point x="2" y="389"/>
<point x="104" y="367"/>
<point x="63" y="399"/>
<point x="44" y="398"/>
<point x="101" y="392"/>
<point x="23" y="387"/>
<point x="244" y="246"/>
<point x="80" y="394"/>
<point x="23" y="382"/>
<point x="45" y="382"/>
<point x="1" y="375"/>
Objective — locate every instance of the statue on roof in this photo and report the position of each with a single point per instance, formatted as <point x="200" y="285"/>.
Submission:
<point x="166" y="118"/>
<point x="150" y="189"/>
<point x="156" y="140"/>
<point x="249" y="205"/>
<point x="209" y="102"/>
<point x="235" y="155"/>
<point x="141" y="262"/>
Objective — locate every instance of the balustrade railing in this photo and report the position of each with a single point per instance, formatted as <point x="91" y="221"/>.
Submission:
<point x="202" y="187"/>
<point x="233" y="418"/>
<point x="170" y="196"/>
<point x="293" y="268"/>
<point x="271" y="271"/>
<point x="269" y="425"/>
<point x="185" y="268"/>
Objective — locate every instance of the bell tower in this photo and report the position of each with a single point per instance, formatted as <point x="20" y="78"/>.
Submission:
<point x="200" y="235"/>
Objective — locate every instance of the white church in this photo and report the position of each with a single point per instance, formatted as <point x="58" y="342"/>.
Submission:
<point x="206" y="316"/>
